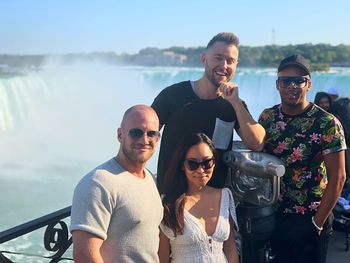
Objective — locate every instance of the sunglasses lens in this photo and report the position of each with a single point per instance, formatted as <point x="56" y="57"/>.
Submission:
<point x="136" y="133"/>
<point x="285" y="82"/>
<point x="192" y="165"/>
<point x="206" y="164"/>
<point x="152" y="134"/>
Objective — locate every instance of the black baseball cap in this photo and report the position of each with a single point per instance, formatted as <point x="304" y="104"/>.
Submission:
<point x="295" y="60"/>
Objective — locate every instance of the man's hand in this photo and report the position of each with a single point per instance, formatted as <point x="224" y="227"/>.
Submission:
<point x="251" y="132"/>
<point x="229" y="91"/>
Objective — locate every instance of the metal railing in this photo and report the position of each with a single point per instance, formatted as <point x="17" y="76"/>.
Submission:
<point x="57" y="238"/>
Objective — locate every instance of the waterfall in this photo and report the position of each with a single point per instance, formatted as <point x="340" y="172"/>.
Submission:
<point x="59" y="123"/>
<point x="71" y="112"/>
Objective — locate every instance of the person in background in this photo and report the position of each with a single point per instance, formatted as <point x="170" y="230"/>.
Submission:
<point x="210" y="105"/>
<point x="116" y="208"/>
<point x="324" y="100"/>
<point x="198" y="223"/>
<point x="311" y="143"/>
<point x="334" y="93"/>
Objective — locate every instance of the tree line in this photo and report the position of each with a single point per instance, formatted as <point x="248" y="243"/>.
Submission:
<point x="321" y="56"/>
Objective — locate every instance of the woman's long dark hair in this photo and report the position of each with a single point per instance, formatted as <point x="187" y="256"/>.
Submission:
<point x="320" y="95"/>
<point x="176" y="182"/>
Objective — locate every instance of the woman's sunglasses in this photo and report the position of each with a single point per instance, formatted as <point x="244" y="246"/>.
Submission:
<point x="205" y="164"/>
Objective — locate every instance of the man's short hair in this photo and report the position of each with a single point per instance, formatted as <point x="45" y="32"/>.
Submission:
<point x="226" y="37"/>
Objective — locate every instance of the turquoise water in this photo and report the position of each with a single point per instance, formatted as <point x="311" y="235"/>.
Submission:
<point x="59" y="123"/>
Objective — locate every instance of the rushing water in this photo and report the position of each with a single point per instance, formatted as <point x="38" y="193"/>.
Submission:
<point x="59" y="123"/>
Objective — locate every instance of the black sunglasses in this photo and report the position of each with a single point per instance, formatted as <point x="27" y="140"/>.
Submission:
<point x="298" y="81"/>
<point x="205" y="164"/>
<point x="137" y="133"/>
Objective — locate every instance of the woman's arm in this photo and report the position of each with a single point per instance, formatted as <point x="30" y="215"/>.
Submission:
<point x="164" y="248"/>
<point x="229" y="248"/>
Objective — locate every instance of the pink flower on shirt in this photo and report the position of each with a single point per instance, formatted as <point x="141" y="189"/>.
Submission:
<point x="296" y="176"/>
<point x="297" y="154"/>
<point x="299" y="209"/>
<point x="315" y="138"/>
<point x="328" y="138"/>
<point x="314" y="206"/>
<point x="280" y="148"/>
<point x="318" y="178"/>
<point x="281" y="125"/>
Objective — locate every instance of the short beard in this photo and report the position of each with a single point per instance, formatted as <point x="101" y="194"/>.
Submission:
<point x="212" y="81"/>
<point x="134" y="158"/>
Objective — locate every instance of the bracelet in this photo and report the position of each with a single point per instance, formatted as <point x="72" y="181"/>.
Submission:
<point x="314" y="223"/>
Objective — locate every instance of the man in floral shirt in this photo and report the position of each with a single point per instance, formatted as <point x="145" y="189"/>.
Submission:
<point x="311" y="143"/>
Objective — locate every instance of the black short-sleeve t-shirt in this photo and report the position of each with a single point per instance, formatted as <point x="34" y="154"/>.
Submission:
<point x="182" y="112"/>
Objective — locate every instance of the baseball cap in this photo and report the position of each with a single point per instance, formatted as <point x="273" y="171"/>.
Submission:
<point x="295" y="60"/>
<point x="333" y="91"/>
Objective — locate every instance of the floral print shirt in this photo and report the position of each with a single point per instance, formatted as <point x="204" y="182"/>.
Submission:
<point x="301" y="142"/>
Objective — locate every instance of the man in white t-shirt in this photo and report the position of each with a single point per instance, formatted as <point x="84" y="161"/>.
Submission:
<point x="116" y="207"/>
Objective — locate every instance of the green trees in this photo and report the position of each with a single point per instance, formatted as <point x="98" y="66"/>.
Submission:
<point x="321" y="56"/>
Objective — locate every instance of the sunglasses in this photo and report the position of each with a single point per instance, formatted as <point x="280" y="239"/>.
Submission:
<point x="205" y="164"/>
<point x="299" y="81"/>
<point x="137" y="133"/>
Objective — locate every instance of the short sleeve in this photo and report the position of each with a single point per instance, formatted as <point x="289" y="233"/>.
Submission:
<point x="161" y="107"/>
<point x="91" y="208"/>
<point x="264" y="118"/>
<point x="167" y="231"/>
<point x="333" y="139"/>
<point x="236" y="127"/>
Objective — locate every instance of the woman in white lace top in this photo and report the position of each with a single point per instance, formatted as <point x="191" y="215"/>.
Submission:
<point x="198" y="223"/>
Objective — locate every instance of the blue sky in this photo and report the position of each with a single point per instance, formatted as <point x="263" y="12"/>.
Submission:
<point x="61" y="26"/>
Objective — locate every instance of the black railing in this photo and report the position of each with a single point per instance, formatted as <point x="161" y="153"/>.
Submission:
<point x="56" y="238"/>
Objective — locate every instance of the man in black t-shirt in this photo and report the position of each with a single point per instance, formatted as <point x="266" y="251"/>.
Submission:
<point x="210" y="105"/>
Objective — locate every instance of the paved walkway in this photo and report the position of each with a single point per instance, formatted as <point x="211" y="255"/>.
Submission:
<point x="336" y="250"/>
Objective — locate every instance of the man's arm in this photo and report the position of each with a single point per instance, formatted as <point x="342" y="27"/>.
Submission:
<point x="250" y="131"/>
<point x="86" y="247"/>
<point x="335" y="165"/>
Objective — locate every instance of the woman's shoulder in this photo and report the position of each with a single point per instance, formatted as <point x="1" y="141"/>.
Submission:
<point x="214" y="192"/>
<point x="227" y="192"/>
<point x="219" y="192"/>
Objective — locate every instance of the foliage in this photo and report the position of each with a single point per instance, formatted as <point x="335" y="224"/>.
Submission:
<point x="321" y="56"/>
